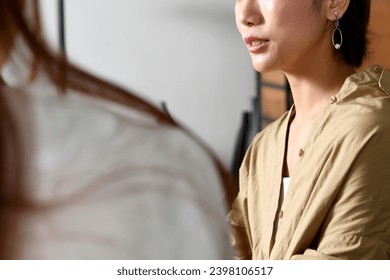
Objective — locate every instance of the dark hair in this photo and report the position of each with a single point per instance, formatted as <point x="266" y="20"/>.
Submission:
<point x="21" y="18"/>
<point x="354" y="26"/>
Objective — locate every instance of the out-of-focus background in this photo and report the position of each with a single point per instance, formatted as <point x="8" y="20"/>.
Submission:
<point x="188" y="54"/>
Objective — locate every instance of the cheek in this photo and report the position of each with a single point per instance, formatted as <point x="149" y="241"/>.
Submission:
<point x="238" y="25"/>
<point x="298" y="31"/>
<point x="237" y="20"/>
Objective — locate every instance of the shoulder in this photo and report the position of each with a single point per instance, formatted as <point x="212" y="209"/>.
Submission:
<point x="366" y="87"/>
<point x="87" y="130"/>
<point x="273" y="130"/>
<point x="363" y="104"/>
<point x="77" y="141"/>
<point x="98" y="159"/>
<point x="265" y="141"/>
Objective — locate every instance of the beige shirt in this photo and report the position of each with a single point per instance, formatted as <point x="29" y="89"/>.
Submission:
<point x="338" y="201"/>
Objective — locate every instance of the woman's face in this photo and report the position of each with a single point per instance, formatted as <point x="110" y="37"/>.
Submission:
<point x="282" y="34"/>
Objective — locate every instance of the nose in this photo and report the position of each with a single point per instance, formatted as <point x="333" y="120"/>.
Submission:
<point x="248" y="12"/>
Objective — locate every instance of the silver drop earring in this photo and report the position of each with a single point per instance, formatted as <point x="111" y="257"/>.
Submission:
<point x="336" y="28"/>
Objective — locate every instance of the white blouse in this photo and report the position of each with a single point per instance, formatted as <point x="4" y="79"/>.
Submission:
<point x="113" y="184"/>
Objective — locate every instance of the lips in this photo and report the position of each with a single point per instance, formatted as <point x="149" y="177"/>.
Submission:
<point x="254" y="44"/>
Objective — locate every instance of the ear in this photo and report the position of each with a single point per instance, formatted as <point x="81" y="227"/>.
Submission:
<point x="339" y="6"/>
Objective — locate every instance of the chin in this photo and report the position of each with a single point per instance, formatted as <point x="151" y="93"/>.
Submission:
<point x="262" y="68"/>
<point x="261" y="65"/>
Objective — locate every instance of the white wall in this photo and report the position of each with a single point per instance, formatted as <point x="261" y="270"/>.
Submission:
<point x="187" y="53"/>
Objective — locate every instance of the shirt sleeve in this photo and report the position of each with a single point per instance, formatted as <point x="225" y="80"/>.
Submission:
<point x="238" y="216"/>
<point x="240" y="240"/>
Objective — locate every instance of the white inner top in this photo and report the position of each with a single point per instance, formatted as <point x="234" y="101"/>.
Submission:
<point x="285" y="185"/>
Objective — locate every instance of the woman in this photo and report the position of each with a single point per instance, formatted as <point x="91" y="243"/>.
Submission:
<point x="91" y="171"/>
<point x="315" y="183"/>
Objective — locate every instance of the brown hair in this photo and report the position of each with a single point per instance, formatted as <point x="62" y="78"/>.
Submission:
<point x="21" y="18"/>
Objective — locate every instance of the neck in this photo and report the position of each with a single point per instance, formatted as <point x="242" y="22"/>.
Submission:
<point x="312" y="86"/>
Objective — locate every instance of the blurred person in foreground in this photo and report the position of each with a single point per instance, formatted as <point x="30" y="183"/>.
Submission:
<point x="91" y="171"/>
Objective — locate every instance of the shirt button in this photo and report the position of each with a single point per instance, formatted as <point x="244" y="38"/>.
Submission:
<point x="280" y="214"/>
<point x="376" y="69"/>
<point x="332" y="99"/>
<point x="301" y="152"/>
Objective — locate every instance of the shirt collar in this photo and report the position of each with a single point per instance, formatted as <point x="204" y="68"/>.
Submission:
<point x="371" y="76"/>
